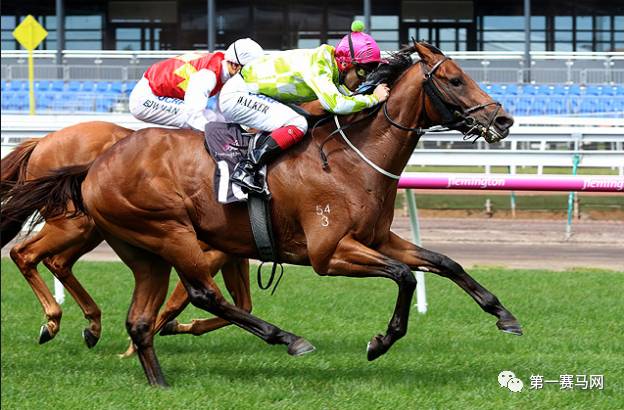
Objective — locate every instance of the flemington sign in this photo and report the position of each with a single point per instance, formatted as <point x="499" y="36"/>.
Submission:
<point x="567" y="183"/>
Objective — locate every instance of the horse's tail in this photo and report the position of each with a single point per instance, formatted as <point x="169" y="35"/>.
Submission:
<point x="13" y="166"/>
<point x="52" y="195"/>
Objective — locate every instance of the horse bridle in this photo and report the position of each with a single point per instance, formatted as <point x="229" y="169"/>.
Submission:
<point x="452" y="118"/>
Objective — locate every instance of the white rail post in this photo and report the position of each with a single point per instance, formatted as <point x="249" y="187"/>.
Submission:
<point x="421" y="293"/>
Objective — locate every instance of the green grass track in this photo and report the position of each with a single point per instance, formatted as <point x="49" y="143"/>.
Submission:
<point x="450" y="358"/>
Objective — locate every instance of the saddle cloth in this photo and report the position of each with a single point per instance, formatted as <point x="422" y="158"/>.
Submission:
<point x="227" y="144"/>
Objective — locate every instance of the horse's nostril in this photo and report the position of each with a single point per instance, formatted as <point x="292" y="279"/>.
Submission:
<point x="504" y="121"/>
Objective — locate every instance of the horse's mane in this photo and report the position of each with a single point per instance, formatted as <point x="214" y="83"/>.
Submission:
<point x="395" y="65"/>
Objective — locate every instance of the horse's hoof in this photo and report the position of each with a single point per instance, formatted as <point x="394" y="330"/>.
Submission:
<point x="89" y="338"/>
<point x="170" y="328"/>
<point x="300" y="347"/>
<point x="375" y="348"/>
<point x="510" y="326"/>
<point x="45" y="335"/>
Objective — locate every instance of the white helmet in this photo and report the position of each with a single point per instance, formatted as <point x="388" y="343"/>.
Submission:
<point x="243" y="51"/>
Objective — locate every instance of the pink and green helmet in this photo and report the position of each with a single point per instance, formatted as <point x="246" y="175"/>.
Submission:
<point x="357" y="48"/>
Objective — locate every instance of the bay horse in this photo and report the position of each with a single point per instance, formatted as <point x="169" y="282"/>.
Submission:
<point x="151" y="196"/>
<point x="63" y="240"/>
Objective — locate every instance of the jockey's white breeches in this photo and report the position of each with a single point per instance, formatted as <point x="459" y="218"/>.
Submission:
<point x="258" y="111"/>
<point x="148" y="107"/>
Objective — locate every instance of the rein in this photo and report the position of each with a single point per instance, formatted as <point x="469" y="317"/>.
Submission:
<point x="452" y="119"/>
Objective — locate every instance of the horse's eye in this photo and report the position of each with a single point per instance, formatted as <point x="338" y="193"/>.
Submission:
<point x="456" y="82"/>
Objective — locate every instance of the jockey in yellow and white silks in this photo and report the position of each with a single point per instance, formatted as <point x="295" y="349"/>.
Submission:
<point x="175" y="91"/>
<point x="256" y="98"/>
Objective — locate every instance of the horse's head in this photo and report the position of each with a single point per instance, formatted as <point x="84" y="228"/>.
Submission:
<point x="456" y="100"/>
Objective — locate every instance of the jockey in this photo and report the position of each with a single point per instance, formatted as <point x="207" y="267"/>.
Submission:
<point x="255" y="98"/>
<point x="176" y="91"/>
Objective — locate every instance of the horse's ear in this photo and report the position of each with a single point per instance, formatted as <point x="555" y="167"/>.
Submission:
<point x="428" y="53"/>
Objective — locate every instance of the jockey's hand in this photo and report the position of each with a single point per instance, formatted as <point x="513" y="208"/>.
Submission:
<point x="314" y="108"/>
<point x="382" y="92"/>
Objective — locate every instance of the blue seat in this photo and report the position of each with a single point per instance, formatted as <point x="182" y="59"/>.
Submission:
<point x="555" y="106"/>
<point x="544" y="90"/>
<point x="560" y="90"/>
<point x="88" y="86"/>
<point x="116" y="86"/>
<point x="57" y="85"/>
<point x="73" y="86"/>
<point x="497" y="89"/>
<point x="523" y="105"/>
<point x="130" y="86"/>
<point x="43" y="85"/>
<point x="539" y="106"/>
<point x="102" y="86"/>
<point x="604" y="105"/>
<point x="588" y="106"/>
<point x="511" y="89"/>
<point x="18" y="85"/>
<point x="593" y="90"/>
<point x="619" y="90"/>
<point x="4" y="85"/>
<point x="574" y="89"/>
<point x="529" y="89"/>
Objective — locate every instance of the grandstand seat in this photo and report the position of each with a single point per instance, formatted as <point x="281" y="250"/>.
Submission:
<point x="43" y="85"/>
<point x="130" y="86"/>
<point x="511" y="89"/>
<point x="574" y="89"/>
<point x="497" y="89"/>
<point x="18" y="85"/>
<point x="57" y="85"/>
<point x="588" y="106"/>
<point x="509" y="103"/>
<point x="116" y="86"/>
<point x="523" y="105"/>
<point x="619" y="90"/>
<point x="544" y="90"/>
<point x="555" y="106"/>
<point x="539" y="106"/>
<point x="593" y="90"/>
<point x="560" y="90"/>
<point x="4" y="85"/>
<point x="88" y="86"/>
<point x="102" y="86"/>
<point x="73" y="86"/>
<point x="529" y="89"/>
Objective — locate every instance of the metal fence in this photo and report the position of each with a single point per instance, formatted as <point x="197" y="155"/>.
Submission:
<point x="499" y="67"/>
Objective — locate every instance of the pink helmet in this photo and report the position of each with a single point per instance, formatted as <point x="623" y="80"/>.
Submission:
<point x="357" y="48"/>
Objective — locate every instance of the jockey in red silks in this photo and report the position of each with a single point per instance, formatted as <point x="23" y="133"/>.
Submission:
<point x="256" y="98"/>
<point x="176" y="91"/>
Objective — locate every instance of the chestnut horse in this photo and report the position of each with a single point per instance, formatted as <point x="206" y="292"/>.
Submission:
<point x="151" y="196"/>
<point x="62" y="241"/>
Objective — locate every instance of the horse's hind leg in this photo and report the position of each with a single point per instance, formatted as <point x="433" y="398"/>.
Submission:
<point x="61" y="267"/>
<point x="236" y="279"/>
<point x="59" y="244"/>
<point x="424" y="260"/>
<point x="27" y="256"/>
<point x="151" y="275"/>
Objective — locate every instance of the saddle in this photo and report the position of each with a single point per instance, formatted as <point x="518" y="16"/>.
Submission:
<point x="227" y="144"/>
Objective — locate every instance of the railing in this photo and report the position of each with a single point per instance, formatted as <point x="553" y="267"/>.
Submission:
<point x="536" y="142"/>
<point x="508" y="67"/>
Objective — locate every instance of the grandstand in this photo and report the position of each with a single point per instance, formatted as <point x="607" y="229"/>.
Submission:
<point x="564" y="84"/>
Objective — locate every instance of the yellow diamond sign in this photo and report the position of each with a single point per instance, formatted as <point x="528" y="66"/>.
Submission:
<point x="29" y="33"/>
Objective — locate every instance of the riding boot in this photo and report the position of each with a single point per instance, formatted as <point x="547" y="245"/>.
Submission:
<point x="246" y="173"/>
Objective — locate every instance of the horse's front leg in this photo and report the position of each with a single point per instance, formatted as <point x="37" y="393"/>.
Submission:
<point x="351" y="258"/>
<point x="421" y="259"/>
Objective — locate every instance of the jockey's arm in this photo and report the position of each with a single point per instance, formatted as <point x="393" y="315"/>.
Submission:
<point x="198" y="90"/>
<point x="334" y="101"/>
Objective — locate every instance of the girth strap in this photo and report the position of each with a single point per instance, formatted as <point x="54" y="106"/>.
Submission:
<point x="260" y="219"/>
